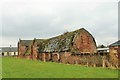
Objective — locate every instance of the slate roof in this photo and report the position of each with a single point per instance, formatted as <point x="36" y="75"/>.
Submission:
<point x="27" y="42"/>
<point x="59" y="43"/>
<point x="56" y="44"/>
<point x="8" y="49"/>
<point x="117" y="43"/>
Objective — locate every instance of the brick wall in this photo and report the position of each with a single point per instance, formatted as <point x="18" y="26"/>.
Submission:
<point x="34" y="50"/>
<point x="84" y="43"/>
<point x="114" y="55"/>
<point x="21" y="49"/>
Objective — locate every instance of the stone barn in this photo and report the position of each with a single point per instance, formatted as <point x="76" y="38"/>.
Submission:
<point x="74" y="47"/>
<point x="24" y="48"/>
<point x="59" y="48"/>
<point x="115" y="53"/>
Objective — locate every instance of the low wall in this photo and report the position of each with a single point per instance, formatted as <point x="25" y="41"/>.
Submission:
<point x="69" y="58"/>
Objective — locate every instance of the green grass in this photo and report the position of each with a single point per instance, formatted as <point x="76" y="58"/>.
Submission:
<point x="22" y="68"/>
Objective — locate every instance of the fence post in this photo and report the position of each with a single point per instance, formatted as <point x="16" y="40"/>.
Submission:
<point x="103" y="63"/>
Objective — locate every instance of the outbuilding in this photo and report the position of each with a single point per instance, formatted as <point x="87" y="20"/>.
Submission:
<point x="9" y="51"/>
<point x="114" y="49"/>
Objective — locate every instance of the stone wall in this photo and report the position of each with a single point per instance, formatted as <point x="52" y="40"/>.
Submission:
<point x="21" y="50"/>
<point x="55" y="57"/>
<point x="34" y="50"/>
<point x="64" y="56"/>
<point x="114" y="55"/>
<point x="84" y="43"/>
<point x="69" y="58"/>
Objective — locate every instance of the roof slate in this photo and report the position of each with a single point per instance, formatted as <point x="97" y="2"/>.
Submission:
<point x="56" y="44"/>
<point x="59" y="43"/>
<point x="27" y="42"/>
<point x="8" y="49"/>
<point x="117" y="43"/>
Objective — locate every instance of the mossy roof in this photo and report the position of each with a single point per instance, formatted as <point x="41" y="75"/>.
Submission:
<point x="27" y="42"/>
<point x="59" y="43"/>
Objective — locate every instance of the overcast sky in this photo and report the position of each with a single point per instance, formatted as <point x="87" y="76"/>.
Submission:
<point x="29" y="19"/>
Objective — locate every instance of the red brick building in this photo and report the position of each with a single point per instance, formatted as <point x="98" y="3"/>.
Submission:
<point x="65" y="48"/>
<point x="115" y="53"/>
<point x="24" y="48"/>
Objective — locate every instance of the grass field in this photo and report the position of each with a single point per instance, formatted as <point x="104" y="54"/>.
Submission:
<point x="22" y="68"/>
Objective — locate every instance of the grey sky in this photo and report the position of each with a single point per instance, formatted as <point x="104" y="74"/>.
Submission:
<point x="28" y="19"/>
